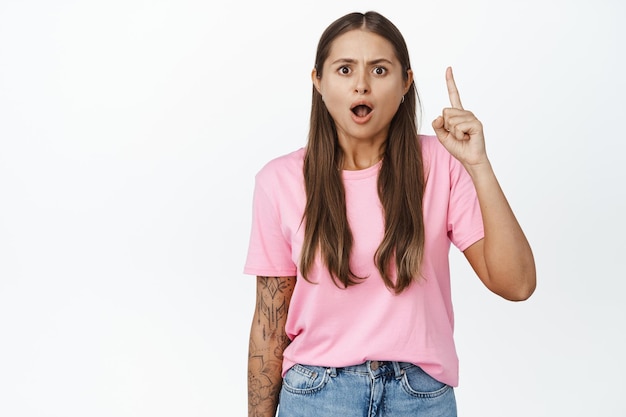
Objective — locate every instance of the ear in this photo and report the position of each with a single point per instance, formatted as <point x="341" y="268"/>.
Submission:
<point x="316" y="81"/>
<point x="409" y="80"/>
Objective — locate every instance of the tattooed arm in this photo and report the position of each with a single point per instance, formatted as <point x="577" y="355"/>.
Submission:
<point x="267" y="342"/>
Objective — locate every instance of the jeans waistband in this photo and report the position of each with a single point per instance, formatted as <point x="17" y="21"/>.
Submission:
<point x="374" y="368"/>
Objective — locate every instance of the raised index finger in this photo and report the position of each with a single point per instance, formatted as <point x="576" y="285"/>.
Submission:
<point x="453" y="93"/>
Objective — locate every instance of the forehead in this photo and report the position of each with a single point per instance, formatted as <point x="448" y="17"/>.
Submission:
<point x="360" y="44"/>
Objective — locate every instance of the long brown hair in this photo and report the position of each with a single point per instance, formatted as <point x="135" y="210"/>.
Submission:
<point x="400" y="182"/>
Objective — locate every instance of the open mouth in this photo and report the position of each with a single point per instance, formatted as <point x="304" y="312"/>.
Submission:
<point x="361" y="110"/>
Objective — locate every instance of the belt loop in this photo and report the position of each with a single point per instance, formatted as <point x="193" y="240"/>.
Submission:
<point x="332" y="371"/>
<point x="396" y="370"/>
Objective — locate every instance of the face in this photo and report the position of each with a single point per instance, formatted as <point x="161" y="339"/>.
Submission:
<point x="362" y="84"/>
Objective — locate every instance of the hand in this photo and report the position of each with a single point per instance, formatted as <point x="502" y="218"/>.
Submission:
<point x="460" y="132"/>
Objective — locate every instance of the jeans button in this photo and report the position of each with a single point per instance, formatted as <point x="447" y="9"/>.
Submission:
<point x="374" y="365"/>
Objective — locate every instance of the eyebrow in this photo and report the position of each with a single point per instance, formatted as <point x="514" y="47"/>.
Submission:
<point x="354" y="61"/>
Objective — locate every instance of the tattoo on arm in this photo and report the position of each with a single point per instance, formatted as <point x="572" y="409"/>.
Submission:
<point x="272" y="303"/>
<point x="265" y="353"/>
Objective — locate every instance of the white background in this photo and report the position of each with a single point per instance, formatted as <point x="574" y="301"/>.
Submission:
<point x="130" y="133"/>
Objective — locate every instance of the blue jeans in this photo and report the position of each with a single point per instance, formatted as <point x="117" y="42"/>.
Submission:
<point x="375" y="388"/>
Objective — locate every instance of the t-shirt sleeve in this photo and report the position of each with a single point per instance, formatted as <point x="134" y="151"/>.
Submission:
<point x="465" y="222"/>
<point x="269" y="251"/>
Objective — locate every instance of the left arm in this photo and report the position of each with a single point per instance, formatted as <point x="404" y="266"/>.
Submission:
<point x="503" y="260"/>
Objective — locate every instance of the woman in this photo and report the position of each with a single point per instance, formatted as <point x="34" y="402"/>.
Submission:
<point x="350" y="240"/>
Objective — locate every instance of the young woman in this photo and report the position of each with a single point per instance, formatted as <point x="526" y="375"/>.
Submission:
<point x="350" y="241"/>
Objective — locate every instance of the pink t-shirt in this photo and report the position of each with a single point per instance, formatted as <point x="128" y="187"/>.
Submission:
<point x="335" y="327"/>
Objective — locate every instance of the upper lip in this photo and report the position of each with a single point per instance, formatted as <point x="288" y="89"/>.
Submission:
<point x="361" y="103"/>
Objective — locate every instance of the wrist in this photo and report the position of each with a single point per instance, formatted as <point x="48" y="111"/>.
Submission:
<point x="479" y="169"/>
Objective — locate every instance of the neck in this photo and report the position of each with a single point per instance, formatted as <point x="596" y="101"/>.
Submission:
<point x="361" y="155"/>
<point x="358" y="162"/>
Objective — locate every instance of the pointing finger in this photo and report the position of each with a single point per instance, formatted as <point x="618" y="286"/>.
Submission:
<point x="455" y="99"/>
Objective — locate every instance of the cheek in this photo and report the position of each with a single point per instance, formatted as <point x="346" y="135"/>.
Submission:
<point x="393" y="99"/>
<point x="333" y="103"/>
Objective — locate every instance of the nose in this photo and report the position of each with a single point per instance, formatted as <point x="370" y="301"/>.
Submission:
<point x="362" y="85"/>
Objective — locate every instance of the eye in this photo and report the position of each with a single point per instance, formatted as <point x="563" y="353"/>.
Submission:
<point x="344" y="70"/>
<point x="380" y="70"/>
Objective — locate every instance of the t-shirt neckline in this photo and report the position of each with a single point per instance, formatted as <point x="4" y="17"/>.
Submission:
<point x="362" y="173"/>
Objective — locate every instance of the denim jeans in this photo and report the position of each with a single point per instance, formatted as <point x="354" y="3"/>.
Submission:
<point x="375" y="388"/>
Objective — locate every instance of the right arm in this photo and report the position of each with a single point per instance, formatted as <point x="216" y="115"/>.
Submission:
<point x="268" y="340"/>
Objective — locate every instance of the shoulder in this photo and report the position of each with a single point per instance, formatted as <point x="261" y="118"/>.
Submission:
<point x="432" y="149"/>
<point x="287" y="167"/>
<point x="438" y="162"/>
